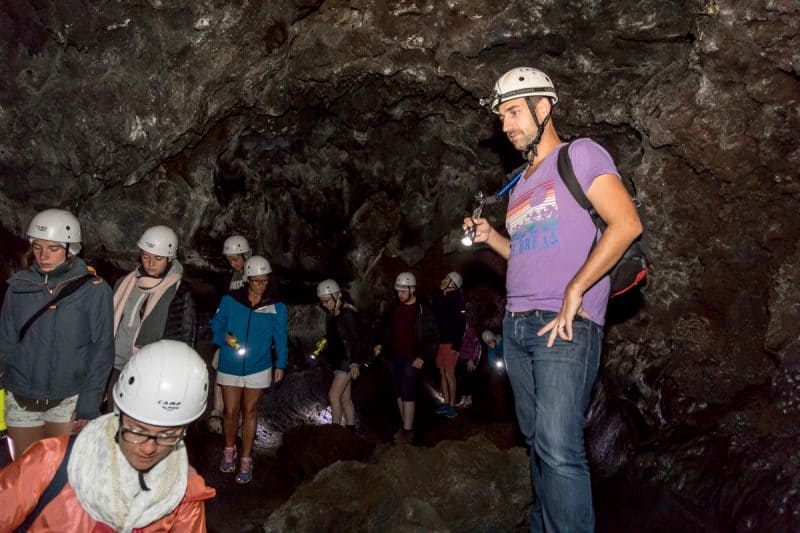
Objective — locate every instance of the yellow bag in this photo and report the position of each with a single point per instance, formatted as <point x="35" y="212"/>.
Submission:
<point x="2" y="410"/>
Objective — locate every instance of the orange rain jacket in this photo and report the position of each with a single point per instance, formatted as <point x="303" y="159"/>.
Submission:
<point x="23" y="482"/>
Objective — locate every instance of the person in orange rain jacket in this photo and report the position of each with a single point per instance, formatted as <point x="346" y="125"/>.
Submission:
<point x="125" y="471"/>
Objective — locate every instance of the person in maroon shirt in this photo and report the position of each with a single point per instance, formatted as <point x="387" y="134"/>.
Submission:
<point x="412" y="338"/>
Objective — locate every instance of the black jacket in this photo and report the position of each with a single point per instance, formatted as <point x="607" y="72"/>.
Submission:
<point x="346" y="335"/>
<point x="451" y="317"/>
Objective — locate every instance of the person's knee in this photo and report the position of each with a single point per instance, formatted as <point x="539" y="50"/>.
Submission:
<point x="560" y="448"/>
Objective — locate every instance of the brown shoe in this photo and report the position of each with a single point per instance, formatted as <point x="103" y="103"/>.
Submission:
<point x="405" y="436"/>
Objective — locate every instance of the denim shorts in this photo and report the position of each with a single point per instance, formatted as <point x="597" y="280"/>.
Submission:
<point x="24" y="413"/>
<point x="343" y="366"/>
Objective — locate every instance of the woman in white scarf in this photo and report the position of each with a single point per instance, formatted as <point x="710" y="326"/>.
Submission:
<point x="127" y="470"/>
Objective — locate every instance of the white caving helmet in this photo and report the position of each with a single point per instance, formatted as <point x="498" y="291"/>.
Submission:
<point x="456" y="279"/>
<point x="235" y="245"/>
<point x="405" y="280"/>
<point x="159" y="240"/>
<point x="57" y="225"/>
<point x="327" y="287"/>
<point x="164" y="384"/>
<point x="487" y="336"/>
<point x="520" y="82"/>
<point x="255" y="266"/>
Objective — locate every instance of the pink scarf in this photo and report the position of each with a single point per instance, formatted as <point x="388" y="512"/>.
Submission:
<point x="155" y="287"/>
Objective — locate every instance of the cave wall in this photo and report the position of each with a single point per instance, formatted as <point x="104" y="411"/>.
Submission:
<point x="346" y="139"/>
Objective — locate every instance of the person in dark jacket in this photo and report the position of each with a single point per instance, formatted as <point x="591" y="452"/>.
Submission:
<point x="344" y="336"/>
<point x="451" y="317"/>
<point x="54" y="371"/>
<point x="247" y="324"/>
<point x="152" y="302"/>
<point x="412" y="339"/>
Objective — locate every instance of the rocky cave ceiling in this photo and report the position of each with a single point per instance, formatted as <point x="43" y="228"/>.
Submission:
<point x="346" y="139"/>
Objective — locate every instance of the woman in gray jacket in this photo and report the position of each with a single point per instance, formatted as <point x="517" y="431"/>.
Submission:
<point x="152" y="302"/>
<point x="56" y="336"/>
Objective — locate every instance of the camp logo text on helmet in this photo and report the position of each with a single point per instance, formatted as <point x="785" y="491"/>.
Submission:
<point x="521" y="82"/>
<point x="169" y="405"/>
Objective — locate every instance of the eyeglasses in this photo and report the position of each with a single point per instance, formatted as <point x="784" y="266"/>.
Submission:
<point x="258" y="281"/>
<point x="133" y="436"/>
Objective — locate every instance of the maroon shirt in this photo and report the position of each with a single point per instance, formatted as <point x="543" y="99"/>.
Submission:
<point x="403" y="333"/>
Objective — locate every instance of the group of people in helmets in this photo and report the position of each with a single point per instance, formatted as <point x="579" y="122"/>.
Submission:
<point x="63" y="331"/>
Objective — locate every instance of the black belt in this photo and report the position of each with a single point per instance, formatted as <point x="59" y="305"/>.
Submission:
<point x="525" y="314"/>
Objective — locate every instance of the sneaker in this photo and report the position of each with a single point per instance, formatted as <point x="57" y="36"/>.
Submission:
<point x="228" y="462"/>
<point x="451" y="412"/>
<point x="245" y="470"/>
<point x="464" y="403"/>
<point x="442" y="409"/>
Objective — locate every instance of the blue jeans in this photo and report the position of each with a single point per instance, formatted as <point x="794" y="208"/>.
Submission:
<point x="551" y="393"/>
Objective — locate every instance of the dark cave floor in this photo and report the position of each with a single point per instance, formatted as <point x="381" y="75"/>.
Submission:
<point x="285" y="458"/>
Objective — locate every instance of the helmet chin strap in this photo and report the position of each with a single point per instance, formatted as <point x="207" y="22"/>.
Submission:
<point x="532" y="150"/>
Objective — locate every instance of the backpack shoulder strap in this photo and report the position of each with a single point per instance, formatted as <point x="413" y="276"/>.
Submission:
<point x="52" y="490"/>
<point x="71" y="287"/>
<point x="567" y="173"/>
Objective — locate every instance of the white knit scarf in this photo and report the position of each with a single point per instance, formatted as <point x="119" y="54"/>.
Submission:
<point x="107" y="486"/>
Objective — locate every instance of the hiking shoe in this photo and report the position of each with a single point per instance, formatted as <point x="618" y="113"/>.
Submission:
<point x="442" y="409"/>
<point x="245" y="470"/>
<point x="228" y="462"/>
<point x="405" y="436"/>
<point x="451" y="412"/>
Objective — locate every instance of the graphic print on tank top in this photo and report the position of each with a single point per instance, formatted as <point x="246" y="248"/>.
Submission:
<point x="532" y="220"/>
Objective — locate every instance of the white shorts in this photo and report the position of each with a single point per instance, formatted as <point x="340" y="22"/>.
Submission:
<point x="30" y="415"/>
<point x="259" y="380"/>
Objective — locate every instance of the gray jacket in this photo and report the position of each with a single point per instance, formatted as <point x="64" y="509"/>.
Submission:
<point x="66" y="351"/>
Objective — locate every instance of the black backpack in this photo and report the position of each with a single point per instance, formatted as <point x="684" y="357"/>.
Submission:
<point x="631" y="270"/>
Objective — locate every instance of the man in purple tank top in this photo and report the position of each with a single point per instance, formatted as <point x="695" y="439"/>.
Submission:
<point x="557" y="291"/>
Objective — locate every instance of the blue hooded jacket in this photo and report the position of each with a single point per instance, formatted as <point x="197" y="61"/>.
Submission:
<point x="256" y="328"/>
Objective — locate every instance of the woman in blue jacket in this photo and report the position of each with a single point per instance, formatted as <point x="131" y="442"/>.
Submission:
<point x="248" y="322"/>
